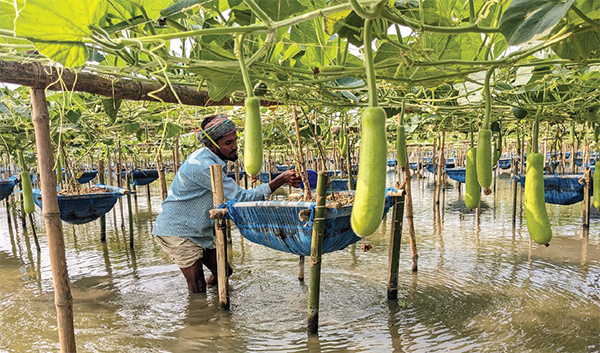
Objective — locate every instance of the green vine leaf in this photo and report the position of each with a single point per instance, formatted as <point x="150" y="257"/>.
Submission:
<point x="57" y="29"/>
<point x="528" y="20"/>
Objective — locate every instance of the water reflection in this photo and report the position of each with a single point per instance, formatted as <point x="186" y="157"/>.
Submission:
<point x="481" y="284"/>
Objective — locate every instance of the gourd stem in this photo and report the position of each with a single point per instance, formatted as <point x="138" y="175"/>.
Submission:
<point x="240" y="56"/>
<point x="488" y="98"/>
<point x="369" y="66"/>
<point x="536" y="129"/>
<point x="471" y="131"/>
<point x="401" y="116"/>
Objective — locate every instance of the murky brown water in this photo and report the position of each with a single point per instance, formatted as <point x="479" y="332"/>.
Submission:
<point x="481" y="287"/>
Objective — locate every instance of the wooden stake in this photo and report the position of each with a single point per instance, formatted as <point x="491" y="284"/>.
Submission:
<point x="161" y="177"/>
<point x="129" y="211"/>
<point x="302" y="167"/>
<point x="301" y="268"/>
<point x="176" y="158"/>
<point x="63" y="299"/>
<point x="586" y="197"/>
<point x="103" y="217"/>
<point x="216" y="179"/>
<point x="394" y="255"/>
<point x="410" y="219"/>
<point x="440" y="169"/>
<point x="316" y="250"/>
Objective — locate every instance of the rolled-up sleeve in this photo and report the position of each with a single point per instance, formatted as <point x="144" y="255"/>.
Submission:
<point x="233" y="191"/>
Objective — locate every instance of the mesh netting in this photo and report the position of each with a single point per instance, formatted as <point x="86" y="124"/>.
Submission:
<point x="276" y="224"/>
<point x="562" y="189"/>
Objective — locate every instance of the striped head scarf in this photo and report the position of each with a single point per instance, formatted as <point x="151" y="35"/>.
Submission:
<point x="215" y="129"/>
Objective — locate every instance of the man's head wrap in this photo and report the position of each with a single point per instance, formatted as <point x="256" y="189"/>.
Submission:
<point x="215" y="129"/>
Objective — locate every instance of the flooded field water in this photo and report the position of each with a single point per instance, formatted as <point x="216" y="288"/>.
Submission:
<point x="482" y="286"/>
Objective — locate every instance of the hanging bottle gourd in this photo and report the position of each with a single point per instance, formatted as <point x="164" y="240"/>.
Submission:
<point x="484" y="141"/>
<point x="28" y="205"/>
<point x="253" y="146"/>
<point x="536" y="215"/>
<point x="370" y="189"/>
<point x="472" y="188"/>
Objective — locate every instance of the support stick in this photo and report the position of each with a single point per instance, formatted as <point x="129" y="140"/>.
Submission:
<point x="216" y="179"/>
<point x="301" y="268"/>
<point x="395" y="239"/>
<point x="63" y="300"/>
<point x="129" y="210"/>
<point x="316" y="250"/>
<point x="103" y="217"/>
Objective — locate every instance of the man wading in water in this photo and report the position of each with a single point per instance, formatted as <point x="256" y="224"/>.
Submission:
<point x="184" y="229"/>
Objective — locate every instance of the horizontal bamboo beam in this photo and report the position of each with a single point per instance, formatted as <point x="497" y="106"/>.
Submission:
<point x="37" y="76"/>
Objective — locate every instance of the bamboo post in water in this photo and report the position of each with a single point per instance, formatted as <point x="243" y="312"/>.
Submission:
<point x="35" y="238"/>
<point x="586" y="197"/>
<point x="103" y="217"/>
<point x="161" y="177"/>
<point x="301" y="268"/>
<point x="410" y="218"/>
<point x="396" y="237"/>
<point x="216" y="178"/>
<point x="316" y="250"/>
<point x="176" y="157"/>
<point x="129" y="210"/>
<point x="440" y="169"/>
<point x="63" y="299"/>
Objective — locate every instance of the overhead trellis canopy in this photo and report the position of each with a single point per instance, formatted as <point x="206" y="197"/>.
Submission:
<point x="432" y="53"/>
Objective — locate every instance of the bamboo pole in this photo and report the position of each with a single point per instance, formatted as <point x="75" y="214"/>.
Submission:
<point x="176" y="159"/>
<point x="395" y="239"/>
<point x="103" y="217"/>
<point x="129" y="210"/>
<point x="58" y="263"/>
<point x="440" y="167"/>
<point x="316" y="250"/>
<point x="410" y="218"/>
<point x="301" y="268"/>
<point x="35" y="237"/>
<point x="586" y="198"/>
<point x="161" y="177"/>
<point x="216" y="178"/>
<point x="302" y="167"/>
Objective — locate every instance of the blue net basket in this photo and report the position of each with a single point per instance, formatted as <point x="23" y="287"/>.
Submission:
<point x="87" y="176"/>
<point x="143" y="176"/>
<point x="458" y="174"/>
<point x="275" y="224"/>
<point x="562" y="189"/>
<point x="6" y="187"/>
<point x="504" y="163"/>
<point x="85" y="208"/>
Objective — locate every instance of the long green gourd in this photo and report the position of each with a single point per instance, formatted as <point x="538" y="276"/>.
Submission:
<point x="484" y="140"/>
<point x="370" y="189"/>
<point x="472" y="188"/>
<point x="28" y="205"/>
<point x="536" y="215"/>
<point x="253" y="147"/>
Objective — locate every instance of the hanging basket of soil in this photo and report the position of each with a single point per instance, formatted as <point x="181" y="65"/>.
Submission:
<point x="562" y="189"/>
<point x="87" y="207"/>
<point x="87" y="176"/>
<point x="287" y="225"/>
<point x="6" y="188"/>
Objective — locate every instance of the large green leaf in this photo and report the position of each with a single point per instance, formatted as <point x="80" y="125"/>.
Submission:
<point x="279" y="10"/>
<point x="220" y="84"/>
<point x="57" y="29"/>
<point x="7" y="19"/>
<point x="579" y="46"/>
<point x="528" y="20"/>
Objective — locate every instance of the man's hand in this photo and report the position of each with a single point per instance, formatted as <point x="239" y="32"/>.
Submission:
<point x="288" y="177"/>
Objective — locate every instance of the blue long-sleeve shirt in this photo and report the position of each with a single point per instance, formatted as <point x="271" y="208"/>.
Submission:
<point x="185" y="210"/>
